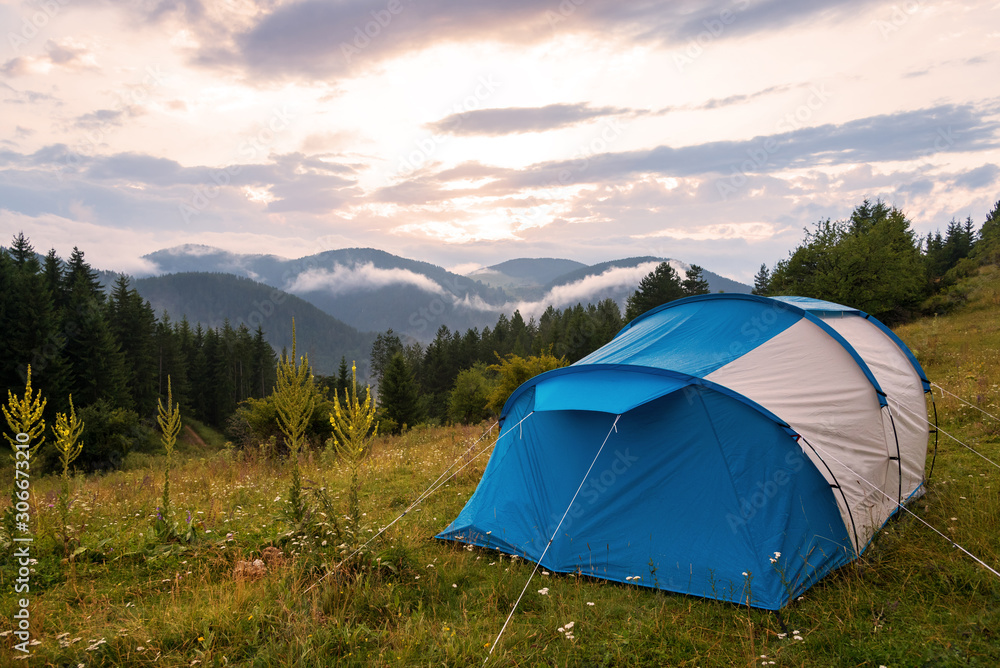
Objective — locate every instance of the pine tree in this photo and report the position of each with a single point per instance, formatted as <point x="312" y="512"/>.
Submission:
<point x="97" y="366"/>
<point x="399" y="395"/>
<point x="386" y="345"/>
<point x="262" y="365"/>
<point x="660" y="286"/>
<point x="762" y="281"/>
<point x="694" y="282"/>
<point x="32" y="330"/>
<point x="133" y="323"/>
<point x="343" y="379"/>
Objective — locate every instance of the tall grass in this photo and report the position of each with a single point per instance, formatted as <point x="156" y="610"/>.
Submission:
<point x="911" y="600"/>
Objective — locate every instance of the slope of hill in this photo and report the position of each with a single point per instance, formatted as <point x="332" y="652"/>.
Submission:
<point x="522" y="278"/>
<point x="212" y="298"/>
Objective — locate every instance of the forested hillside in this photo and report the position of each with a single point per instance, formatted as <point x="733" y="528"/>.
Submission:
<point x="113" y="355"/>
<point x="212" y="299"/>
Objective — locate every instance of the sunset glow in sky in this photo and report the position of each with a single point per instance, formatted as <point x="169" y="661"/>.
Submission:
<point x="466" y="133"/>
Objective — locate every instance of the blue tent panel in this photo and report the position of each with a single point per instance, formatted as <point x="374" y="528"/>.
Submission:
<point x="693" y="490"/>
<point x="701" y="338"/>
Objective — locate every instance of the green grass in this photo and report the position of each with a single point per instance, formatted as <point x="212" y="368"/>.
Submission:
<point x="911" y="600"/>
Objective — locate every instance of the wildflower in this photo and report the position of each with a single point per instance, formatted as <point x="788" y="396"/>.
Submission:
<point x="454" y="586"/>
<point x="777" y="555"/>
<point x="543" y="591"/>
<point x="590" y="603"/>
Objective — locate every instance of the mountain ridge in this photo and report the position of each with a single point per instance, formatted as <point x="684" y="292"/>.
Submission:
<point x="373" y="290"/>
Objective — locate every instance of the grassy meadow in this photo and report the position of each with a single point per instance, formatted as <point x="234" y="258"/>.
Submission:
<point x="132" y="599"/>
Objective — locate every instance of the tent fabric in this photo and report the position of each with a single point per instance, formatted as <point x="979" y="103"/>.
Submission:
<point x="750" y="432"/>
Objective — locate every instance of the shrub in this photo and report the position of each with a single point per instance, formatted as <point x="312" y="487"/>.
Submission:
<point x="110" y="434"/>
<point x="467" y="402"/>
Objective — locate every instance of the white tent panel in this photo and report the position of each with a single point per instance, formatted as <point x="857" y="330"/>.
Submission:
<point x="810" y="381"/>
<point x="902" y="386"/>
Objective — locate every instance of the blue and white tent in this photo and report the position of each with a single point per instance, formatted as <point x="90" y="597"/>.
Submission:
<point x="727" y="446"/>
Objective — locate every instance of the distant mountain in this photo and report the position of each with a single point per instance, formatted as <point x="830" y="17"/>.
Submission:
<point x="366" y="288"/>
<point x="716" y="283"/>
<point x="372" y="290"/>
<point x="522" y="277"/>
<point x="211" y="298"/>
<point x="615" y="280"/>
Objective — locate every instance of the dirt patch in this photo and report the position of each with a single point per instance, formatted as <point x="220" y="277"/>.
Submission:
<point x="191" y="436"/>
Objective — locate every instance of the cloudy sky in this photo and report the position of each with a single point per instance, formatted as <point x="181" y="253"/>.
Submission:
<point x="466" y="133"/>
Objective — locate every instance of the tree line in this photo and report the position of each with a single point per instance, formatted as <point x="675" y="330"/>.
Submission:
<point x="875" y="262"/>
<point x="467" y="376"/>
<point x="112" y="354"/>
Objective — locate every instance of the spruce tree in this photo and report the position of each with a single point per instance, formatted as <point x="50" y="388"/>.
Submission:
<point x="695" y="283"/>
<point x="399" y="395"/>
<point x="762" y="281"/>
<point x="32" y="328"/>
<point x="660" y="286"/>
<point x="343" y="377"/>
<point x="133" y="324"/>
<point x="97" y="365"/>
<point x="262" y="366"/>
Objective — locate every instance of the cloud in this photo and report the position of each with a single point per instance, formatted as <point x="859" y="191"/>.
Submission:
<point x="718" y="102"/>
<point x="321" y="39"/>
<point x="68" y="56"/>
<point x="99" y="118"/>
<point x="980" y="177"/>
<point x="612" y="281"/>
<point x="514" y="120"/>
<point x="906" y="135"/>
<point x="749" y="231"/>
<point x="345" y="280"/>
